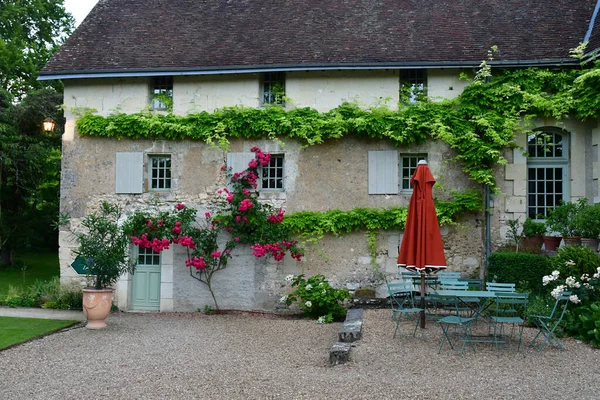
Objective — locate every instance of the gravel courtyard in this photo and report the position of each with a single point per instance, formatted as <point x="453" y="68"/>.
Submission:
<point x="195" y="356"/>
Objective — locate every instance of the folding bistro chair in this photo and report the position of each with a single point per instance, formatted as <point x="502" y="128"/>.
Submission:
<point x="445" y="275"/>
<point x="500" y="287"/>
<point x="455" y="320"/>
<point x="401" y="298"/>
<point x="547" y="324"/>
<point x="469" y="305"/>
<point x="504" y="314"/>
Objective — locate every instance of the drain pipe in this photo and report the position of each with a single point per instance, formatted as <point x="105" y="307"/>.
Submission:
<point x="488" y="236"/>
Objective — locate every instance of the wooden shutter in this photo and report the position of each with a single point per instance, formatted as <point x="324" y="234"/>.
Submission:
<point x="383" y="172"/>
<point x="130" y="173"/>
<point x="238" y="162"/>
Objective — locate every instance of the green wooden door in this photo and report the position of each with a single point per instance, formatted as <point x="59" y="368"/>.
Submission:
<point x="146" y="281"/>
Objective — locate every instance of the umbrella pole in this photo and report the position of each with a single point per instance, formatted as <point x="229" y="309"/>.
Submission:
<point x="423" y="300"/>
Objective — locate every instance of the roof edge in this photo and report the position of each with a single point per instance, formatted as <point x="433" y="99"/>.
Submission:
<point x="120" y="73"/>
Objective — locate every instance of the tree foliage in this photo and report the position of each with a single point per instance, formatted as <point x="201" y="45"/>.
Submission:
<point x="30" y="32"/>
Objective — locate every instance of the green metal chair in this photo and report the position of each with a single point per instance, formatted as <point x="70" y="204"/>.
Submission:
<point x="500" y="287"/>
<point x="448" y="275"/>
<point x="504" y="314"/>
<point x="469" y="306"/>
<point x="401" y="299"/>
<point x="547" y="324"/>
<point x="458" y="321"/>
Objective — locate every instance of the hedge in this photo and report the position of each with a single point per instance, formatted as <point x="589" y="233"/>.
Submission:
<point x="524" y="269"/>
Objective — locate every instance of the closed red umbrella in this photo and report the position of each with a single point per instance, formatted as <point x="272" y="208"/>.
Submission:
<point x="422" y="249"/>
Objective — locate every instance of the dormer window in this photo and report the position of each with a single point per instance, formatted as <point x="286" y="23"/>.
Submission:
<point x="162" y="93"/>
<point x="413" y="85"/>
<point x="273" y="88"/>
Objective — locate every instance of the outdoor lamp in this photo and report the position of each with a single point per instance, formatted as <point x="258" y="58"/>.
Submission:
<point x="48" y="125"/>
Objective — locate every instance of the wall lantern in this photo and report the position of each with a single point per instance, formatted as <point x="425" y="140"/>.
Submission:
<point x="48" y="125"/>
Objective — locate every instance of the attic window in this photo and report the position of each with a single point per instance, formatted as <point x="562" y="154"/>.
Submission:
<point x="413" y="85"/>
<point x="273" y="88"/>
<point x="162" y="93"/>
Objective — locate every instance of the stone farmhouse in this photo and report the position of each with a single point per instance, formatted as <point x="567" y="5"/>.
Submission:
<point x="132" y="56"/>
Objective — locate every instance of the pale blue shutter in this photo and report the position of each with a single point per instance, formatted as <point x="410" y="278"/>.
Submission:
<point x="383" y="172"/>
<point x="238" y="162"/>
<point x="130" y="173"/>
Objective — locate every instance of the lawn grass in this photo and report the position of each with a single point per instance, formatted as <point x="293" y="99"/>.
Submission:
<point x="42" y="266"/>
<point x="17" y="330"/>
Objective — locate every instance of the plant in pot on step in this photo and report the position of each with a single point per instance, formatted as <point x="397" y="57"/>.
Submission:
<point x="588" y="221"/>
<point x="563" y="219"/>
<point x="533" y="232"/>
<point x="103" y="249"/>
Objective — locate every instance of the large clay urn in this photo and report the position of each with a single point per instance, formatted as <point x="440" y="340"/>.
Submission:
<point x="96" y="306"/>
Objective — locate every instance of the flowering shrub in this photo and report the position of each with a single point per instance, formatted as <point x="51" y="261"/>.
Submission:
<point x="240" y="213"/>
<point x="584" y="288"/>
<point x="317" y="298"/>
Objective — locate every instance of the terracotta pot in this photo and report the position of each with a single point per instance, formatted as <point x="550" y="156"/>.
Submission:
<point x="572" y="240"/>
<point x="96" y="306"/>
<point x="533" y="242"/>
<point x="591" y="243"/>
<point x="551" y="243"/>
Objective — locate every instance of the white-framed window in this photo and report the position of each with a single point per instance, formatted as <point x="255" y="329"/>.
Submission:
<point x="390" y="172"/>
<point x="272" y="175"/>
<point x="159" y="172"/>
<point x="547" y="171"/>
<point x="161" y="93"/>
<point x="147" y="256"/>
<point x="408" y="166"/>
<point x="273" y="88"/>
<point x="413" y="85"/>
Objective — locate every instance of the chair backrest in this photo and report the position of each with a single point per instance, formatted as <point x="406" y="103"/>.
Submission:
<point x="563" y="298"/>
<point x="506" y="302"/>
<point x="474" y="284"/>
<point x="454" y="285"/>
<point x="500" y="287"/>
<point x="449" y="275"/>
<point x="400" y="293"/>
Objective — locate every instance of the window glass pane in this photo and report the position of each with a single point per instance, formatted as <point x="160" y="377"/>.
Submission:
<point x="550" y="173"/>
<point x="540" y="174"/>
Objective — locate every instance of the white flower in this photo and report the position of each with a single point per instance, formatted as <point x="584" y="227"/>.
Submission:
<point x="321" y="320"/>
<point x="308" y="286"/>
<point x="574" y="299"/>
<point x="555" y="274"/>
<point x="557" y="291"/>
<point x="572" y="282"/>
<point x="587" y="285"/>
<point x="283" y="299"/>
<point x="308" y="304"/>
<point x="585" y="277"/>
<point x="570" y="263"/>
<point x="289" y="278"/>
<point x="547" y="279"/>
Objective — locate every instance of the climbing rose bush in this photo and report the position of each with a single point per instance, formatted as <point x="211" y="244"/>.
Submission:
<point x="239" y="213"/>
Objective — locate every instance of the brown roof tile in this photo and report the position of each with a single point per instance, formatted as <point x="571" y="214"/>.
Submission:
<point x="169" y="35"/>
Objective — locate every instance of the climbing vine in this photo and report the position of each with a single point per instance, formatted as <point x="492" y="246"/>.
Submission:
<point x="479" y="125"/>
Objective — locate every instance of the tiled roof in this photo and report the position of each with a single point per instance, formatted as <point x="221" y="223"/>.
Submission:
<point x="202" y="35"/>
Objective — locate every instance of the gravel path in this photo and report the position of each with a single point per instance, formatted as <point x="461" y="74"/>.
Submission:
<point x="159" y="356"/>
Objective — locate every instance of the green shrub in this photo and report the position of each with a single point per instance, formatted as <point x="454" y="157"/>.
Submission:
<point x="532" y="228"/>
<point x="317" y="298"/>
<point x="524" y="269"/>
<point x="576" y="261"/>
<point x="587" y="323"/>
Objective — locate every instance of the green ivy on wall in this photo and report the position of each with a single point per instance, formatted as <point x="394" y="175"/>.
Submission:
<point x="479" y="125"/>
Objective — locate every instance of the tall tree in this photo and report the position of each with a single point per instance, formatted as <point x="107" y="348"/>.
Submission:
<point x="30" y="32"/>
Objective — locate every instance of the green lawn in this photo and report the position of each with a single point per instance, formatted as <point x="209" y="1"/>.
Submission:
<point x="18" y="330"/>
<point x="42" y="266"/>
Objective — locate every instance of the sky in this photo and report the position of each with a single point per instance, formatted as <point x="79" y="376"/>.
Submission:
<point x="79" y="9"/>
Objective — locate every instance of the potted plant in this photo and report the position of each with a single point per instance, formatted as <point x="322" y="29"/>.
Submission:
<point x="533" y="232"/>
<point x="563" y="219"/>
<point x="588" y="221"/>
<point x="103" y="250"/>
